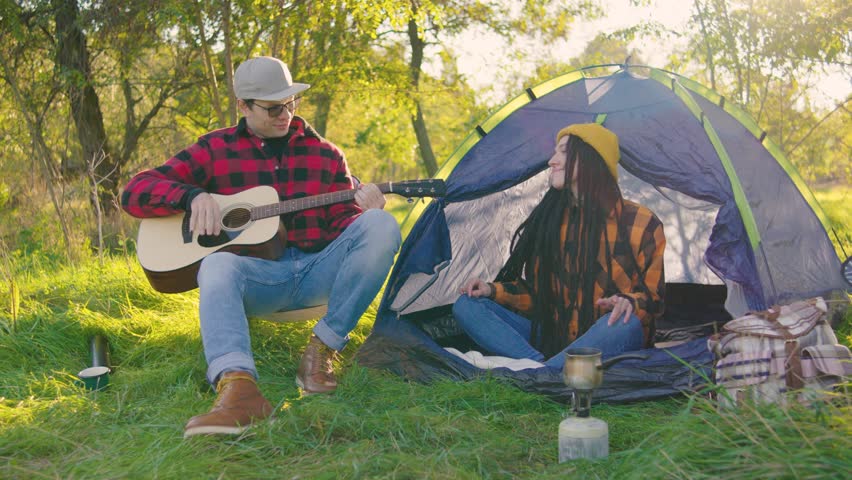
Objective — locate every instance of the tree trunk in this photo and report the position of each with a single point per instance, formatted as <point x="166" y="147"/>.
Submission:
<point x="72" y="57"/>
<point x="296" y="52"/>
<point x="132" y="130"/>
<point x="763" y="99"/>
<point x="322" y="101"/>
<point x="212" y="82"/>
<point x="275" y="43"/>
<point x="730" y="38"/>
<point x="710" y="67"/>
<point x="418" y="45"/>
<point x="423" y="142"/>
<point x="749" y="53"/>
<point x="229" y="62"/>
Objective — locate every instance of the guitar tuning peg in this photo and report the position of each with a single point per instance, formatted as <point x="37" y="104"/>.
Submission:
<point x="410" y="200"/>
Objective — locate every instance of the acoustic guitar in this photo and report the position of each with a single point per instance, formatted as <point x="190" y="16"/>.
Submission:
<point x="170" y="254"/>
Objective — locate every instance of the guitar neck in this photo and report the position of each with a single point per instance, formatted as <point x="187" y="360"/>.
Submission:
<point x="315" y="201"/>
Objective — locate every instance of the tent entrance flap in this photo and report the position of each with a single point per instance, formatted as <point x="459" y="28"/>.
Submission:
<point x="687" y="221"/>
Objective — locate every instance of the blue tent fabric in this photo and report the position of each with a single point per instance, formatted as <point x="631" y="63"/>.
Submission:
<point x="664" y="144"/>
<point x="427" y="246"/>
<point x="408" y="352"/>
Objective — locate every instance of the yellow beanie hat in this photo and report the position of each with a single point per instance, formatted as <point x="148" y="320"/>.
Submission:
<point x="601" y="139"/>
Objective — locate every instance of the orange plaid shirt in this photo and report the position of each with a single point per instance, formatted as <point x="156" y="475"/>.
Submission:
<point x="642" y="239"/>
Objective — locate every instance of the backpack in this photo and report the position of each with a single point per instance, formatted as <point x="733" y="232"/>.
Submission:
<point x="762" y="356"/>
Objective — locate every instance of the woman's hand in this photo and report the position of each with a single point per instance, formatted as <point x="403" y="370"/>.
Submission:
<point x="618" y="305"/>
<point x="475" y="287"/>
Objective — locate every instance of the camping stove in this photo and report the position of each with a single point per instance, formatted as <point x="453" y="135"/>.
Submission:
<point x="581" y="435"/>
<point x="581" y="403"/>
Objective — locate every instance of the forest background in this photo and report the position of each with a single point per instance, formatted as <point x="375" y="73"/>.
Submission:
<point x="93" y="91"/>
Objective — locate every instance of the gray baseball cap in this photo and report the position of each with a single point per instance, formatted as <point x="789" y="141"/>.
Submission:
<point x="265" y="78"/>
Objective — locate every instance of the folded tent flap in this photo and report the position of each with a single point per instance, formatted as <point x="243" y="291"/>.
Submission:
<point x="820" y="360"/>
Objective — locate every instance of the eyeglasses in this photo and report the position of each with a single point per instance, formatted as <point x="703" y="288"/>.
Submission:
<point x="276" y="110"/>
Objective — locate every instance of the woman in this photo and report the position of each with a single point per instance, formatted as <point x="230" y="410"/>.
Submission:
<point x="584" y="270"/>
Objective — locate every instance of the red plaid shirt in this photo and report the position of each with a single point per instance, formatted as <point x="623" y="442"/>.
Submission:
<point x="231" y="160"/>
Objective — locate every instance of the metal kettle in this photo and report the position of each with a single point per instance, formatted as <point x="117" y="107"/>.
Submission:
<point x="584" y="369"/>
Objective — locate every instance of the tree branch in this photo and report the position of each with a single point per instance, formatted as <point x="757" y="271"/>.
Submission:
<point x="814" y="127"/>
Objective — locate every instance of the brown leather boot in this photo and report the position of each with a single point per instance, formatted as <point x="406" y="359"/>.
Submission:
<point x="316" y="370"/>
<point x="238" y="405"/>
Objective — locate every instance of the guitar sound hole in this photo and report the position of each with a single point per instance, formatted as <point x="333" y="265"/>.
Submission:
<point x="236" y="218"/>
<point x="224" y="237"/>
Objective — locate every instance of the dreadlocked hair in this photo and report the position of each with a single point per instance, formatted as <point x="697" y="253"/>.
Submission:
<point x="558" y="273"/>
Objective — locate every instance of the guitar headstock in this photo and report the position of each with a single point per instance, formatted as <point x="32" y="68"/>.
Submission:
<point x="420" y="188"/>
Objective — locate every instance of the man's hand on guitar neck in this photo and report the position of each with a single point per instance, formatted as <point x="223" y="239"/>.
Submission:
<point x="205" y="213"/>
<point x="369" y="196"/>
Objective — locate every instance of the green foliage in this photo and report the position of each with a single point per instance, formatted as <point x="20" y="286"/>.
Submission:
<point x="764" y="55"/>
<point x="5" y="195"/>
<point x="157" y="91"/>
<point x="604" y="49"/>
<point x="372" y="123"/>
<point x="822" y="152"/>
<point x="835" y="201"/>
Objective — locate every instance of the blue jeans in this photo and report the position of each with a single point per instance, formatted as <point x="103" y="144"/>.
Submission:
<point x="505" y="333"/>
<point x="347" y="274"/>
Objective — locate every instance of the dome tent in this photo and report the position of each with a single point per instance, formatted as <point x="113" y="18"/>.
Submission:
<point x="741" y="226"/>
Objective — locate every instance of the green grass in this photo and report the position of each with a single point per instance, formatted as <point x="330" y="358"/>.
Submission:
<point x="375" y="426"/>
<point x="835" y="201"/>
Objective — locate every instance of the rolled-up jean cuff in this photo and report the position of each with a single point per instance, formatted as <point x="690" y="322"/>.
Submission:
<point x="230" y="361"/>
<point x="329" y="337"/>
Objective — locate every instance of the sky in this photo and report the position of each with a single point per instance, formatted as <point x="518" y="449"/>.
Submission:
<point x="482" y="56"/>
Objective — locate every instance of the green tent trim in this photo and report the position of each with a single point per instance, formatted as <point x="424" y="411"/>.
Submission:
<point x="736" y="187"/>
<point x="747" y="121"/>
<point x="681" y="86"/>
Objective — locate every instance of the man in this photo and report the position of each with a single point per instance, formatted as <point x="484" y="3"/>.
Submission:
<point x="339" y="254"/>
<point x="583" y="251"/>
